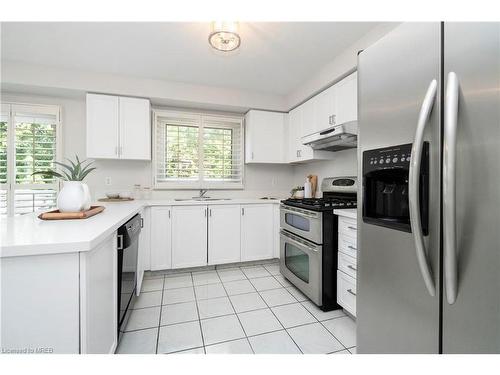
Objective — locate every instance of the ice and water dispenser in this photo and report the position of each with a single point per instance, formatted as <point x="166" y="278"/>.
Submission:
<point x="385" y="187"/>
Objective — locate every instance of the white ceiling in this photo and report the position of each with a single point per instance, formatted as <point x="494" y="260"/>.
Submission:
<point x="273" y="58"/>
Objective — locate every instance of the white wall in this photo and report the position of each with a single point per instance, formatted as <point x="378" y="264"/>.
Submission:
<point x="260" y="180"/>
<point x="344" y="63"/>
<point x="39" y="80"/>
<point x="344" y="164"/>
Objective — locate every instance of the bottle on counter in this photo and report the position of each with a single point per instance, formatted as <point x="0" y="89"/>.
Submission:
<point x="307" y="188"/>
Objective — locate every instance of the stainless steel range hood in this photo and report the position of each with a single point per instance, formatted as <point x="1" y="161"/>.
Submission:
<point x="336" y="138"/>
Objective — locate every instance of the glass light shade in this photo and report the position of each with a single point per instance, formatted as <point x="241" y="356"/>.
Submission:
<point x="224" y="36"/>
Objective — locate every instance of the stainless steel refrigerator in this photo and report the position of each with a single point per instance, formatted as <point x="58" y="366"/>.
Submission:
<point x="429" y="218"/>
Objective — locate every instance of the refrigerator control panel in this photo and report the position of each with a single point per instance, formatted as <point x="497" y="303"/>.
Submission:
<point x="387" y="158"/>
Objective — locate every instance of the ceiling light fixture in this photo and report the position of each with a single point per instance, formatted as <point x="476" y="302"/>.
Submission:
<point x="224" y="36"/>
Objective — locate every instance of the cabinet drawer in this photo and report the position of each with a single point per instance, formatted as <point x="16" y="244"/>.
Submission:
<point x="348" y="226"/>
<point x="346" y="292"/>
<point x="348" y="245"/>
<point x="347" y="264"/>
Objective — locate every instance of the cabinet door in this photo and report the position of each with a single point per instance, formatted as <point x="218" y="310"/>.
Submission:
<point x="189" y="236"/>
<point x="347" y="99"/>
<point x="324" y="107"/>
<point x="257" y="232"/>
<point x="223" y="234"/>
<point x="294" y="144"/>
<point x="264" y="137"/>
<point x="135" y="129"/>
<point x="98" y="296"/>
<point x="161" y="238"/>
<point x="102" y="126"/>
<point x="308" y="123"/>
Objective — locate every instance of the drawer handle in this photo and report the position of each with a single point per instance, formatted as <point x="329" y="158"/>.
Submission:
<point x="350" y="291"/>
<point x="353" y="228"/>
<point x="351" y="247"/>
<point x="352" y="267"/>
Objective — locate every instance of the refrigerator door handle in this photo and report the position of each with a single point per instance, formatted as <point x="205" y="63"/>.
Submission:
<point x="449" y="188"/>
<point x="413" y="187"/>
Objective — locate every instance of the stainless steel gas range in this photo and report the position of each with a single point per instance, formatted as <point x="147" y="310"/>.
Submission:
<point x="308" y="240"/>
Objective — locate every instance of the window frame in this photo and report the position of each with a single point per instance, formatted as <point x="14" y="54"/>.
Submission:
<point x="11" y="186"/>
<point x="200" y="183"/>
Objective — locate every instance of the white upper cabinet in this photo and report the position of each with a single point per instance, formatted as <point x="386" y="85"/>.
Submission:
<point x="189" y="236"/>
<point x="264" y="135"/>
<point x="308" y="122"/>
<point x="118" y="127"/>
<point x="223" y="234"/>
<point x="347" y="99"/>
<point x="297" y="152"/>
<point x="135" y="129"/>
<point x="257" y="232"/>
<point x="103" y="126"/>
<point x="325" y="106"/>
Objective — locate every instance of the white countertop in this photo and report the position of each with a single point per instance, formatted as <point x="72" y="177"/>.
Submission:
<point x="27" y="235"/>
<point x="347" y="212"/>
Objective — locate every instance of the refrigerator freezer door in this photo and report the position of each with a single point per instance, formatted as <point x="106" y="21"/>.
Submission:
<point x="471" y="324"/>
<point x="395" y="312"/>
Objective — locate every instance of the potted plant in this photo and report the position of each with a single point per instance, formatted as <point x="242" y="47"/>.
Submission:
<point x="75" y="195"/>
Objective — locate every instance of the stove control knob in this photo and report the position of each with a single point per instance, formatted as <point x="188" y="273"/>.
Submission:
<point x="381" y="161"/>
<point x="395" y="160"/>
<point x="387" y="160"/>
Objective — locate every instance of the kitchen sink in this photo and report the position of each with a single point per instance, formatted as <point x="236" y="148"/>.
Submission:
<point x="202" y="199"/>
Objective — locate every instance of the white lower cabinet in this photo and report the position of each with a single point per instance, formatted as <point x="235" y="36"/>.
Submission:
<point x="161" y="238"/>
<point x="257" y="232"/>
<point x="223" y="234"/>
<point x="60" y="303"/>
<point x="98" y="296"/>
<point x="189" y="236"/>
<point x="346" y="292"/>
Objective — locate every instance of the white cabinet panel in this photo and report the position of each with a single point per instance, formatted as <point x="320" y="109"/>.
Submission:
<point x="346" y="292"/>
<point x="265" y="137"/>
<point x="118" y="127"/>
<point x="257" y="232"/>
<point x="189" y="236"/>
<point x="325" y="108"/>
<point x="135" y="129"/>
<point x="223" y="234"/>
<point x="347" y="99"/>
<point x="161" y="238"/>
<point x="98" y="296"/>
<point x="40" y="302"/>
<point x="144" y="256"/>
<point x="308" y="124"/>
<point x="102" y="126"/>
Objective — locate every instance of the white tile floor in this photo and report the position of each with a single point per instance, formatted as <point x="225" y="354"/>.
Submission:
<point x="243" y="310"/>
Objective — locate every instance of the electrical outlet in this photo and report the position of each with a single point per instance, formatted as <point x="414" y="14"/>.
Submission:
<point x="107" y="181"/>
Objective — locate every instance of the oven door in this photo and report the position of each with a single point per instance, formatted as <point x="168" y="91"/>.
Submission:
<point x="301" y="264"/>
<point x="304" y="223"/>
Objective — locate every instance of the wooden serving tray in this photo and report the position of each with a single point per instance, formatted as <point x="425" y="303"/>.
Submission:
<point x="115" y="199"/>
<point x="56" y="215"/>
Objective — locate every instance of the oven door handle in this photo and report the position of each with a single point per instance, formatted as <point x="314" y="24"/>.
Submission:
<point x="297" y="243"/>
<point x="414" y="184"/>
<point x="298" y="212"/>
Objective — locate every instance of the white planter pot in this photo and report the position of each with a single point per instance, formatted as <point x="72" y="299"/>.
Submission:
<point x="73" y="197"/>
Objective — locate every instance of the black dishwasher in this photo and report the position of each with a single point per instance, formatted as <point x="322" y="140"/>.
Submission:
<point x="128" y="250"/>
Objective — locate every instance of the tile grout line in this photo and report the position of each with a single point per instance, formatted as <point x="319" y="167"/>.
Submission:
<point x="159" y="319"/>
<point x="272" y="312"/>
<point x="199" y="318"/>
<point x="235" y="313"/>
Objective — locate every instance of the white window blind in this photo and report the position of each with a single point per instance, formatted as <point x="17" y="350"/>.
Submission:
<point x="197" y="151"/>
<point x="29" y="142"/>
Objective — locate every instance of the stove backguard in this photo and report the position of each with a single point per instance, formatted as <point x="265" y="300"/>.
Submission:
<point x="385" y="187"/>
